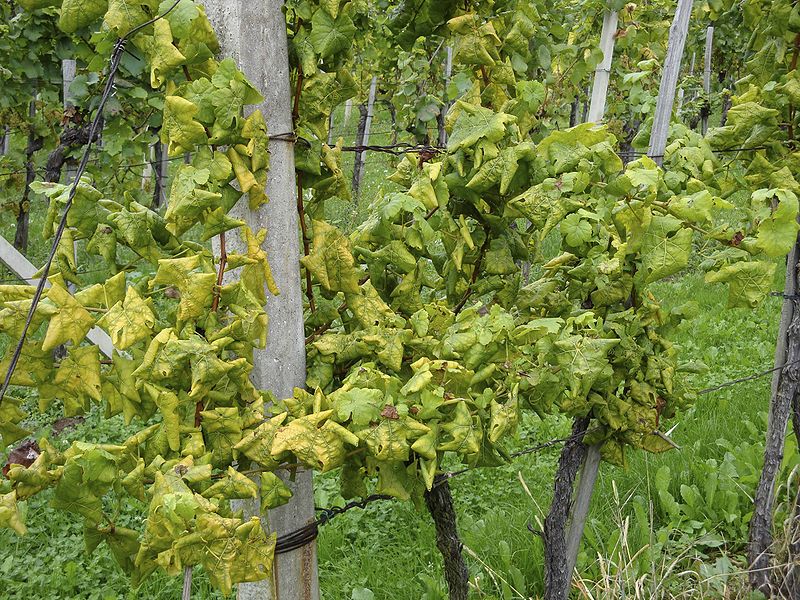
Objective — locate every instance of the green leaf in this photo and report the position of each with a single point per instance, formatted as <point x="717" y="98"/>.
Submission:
<point x="257" y="444"/>
<point x="389" y="439"/>
<point x="318" y="445"/>
<point x="77" y="14"/>
<point x="464" y="431"/>
<point x="584" y="361"/>
<point x="130" y="321"/>
<point x="665" y="249"/>
<point x="331" y="261"/>
<point x="777" y="232"/>
<point x="180" y="130"/>
<point x="749" y="282"/>
<point x="11" y="415"/>
<point x="331" y="34"/>
<point x="476" y="123"/>
<point x="359" y="404"/>
<point x="124" y="15"/>
<point x="70" y="323"/>
<point x="164" y="56"/>
<point x="10" y="516"/>
<point x="234" y="485"/>
<point x="274" y="492"/>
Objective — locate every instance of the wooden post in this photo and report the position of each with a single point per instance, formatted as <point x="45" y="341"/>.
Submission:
<point x="580" y="508"/>
<point x="254" y="34"/>
<point x="187" y="584"/>
<point x="448" y="73"/>
<point x="161" y="164"/>
<point x="361" y="156"/>
<point x="330" y="128"/>
<point x="557" y="575"/>
<point x="348" y="109"/>
<point x="591" y="461"/>
<point x="602" y="74"/>
<point x="4" y="141"/>
<point x="784" y="387"/>
<point x="669" y="81"/>
<point x="69" y="68"/>
<point x="707" y="80"/>
<point x="682" y="91"/>
<point x="26" y="271"/>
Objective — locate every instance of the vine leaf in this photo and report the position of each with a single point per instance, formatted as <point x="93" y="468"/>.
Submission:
<point x="777" y="233"/>
<point x="274" y="492"/>
<point x="257" y="444"/>
<point x="180" y="130"/>
<point x="76" y="14"/>
<point x="10" y="516"/>
<point x="70" y="323"/>
<point x="330" y="33"/>
<point x="465" y="432"/>
<point x="130" y="321"/>
<point x="388" y="440"/>
<point x="665" y="249"/>
<point x="314" y="443"/>
<point x="475" y="123"/>
<point x="124" y="15"/>
<point x="77" y="380"/>
<point x="361" y="405"/>
<point x="749" y="282"/>
<point x="11" y="415"/>
<point x="234" y="485"/>
<point x="331" y="262"/>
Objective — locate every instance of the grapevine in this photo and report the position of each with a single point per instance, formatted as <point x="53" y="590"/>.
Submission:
<point x="431" y="328"/>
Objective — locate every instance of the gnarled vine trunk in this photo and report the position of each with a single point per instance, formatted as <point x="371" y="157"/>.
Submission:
<point x="556" y="571"/>
<point x="439" y="501"/>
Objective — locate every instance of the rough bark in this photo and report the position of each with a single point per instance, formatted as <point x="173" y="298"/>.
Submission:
<point x="573" y="113"/>
<point x="23" y="207"/>
<point x="785" y="388"/>
<point x="160" y="177"/>
<point x="726" y="106"/>
<point x="72" y="137"/>
<point x="556" y="574"/>
<point x="440" y="505"/>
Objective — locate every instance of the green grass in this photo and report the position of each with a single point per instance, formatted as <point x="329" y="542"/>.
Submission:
<point x="389" y="547"/>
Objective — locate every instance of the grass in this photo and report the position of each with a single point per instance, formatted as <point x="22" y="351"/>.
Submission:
<point x="636" y="543"/>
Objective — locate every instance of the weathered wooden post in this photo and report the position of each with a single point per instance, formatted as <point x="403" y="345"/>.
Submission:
<point x="669" y="80"/>
<point x="254" y="34"/>
<point x="597" y="108"/>
<point x="707" y="79"/>
<point x="681" y="91"/>
<point x="562" y="553"/>
<point x="69" y="68"/>
<point x="363" y="139"/>
<point x="784" y="387"/>
<point x="448" y="73"/>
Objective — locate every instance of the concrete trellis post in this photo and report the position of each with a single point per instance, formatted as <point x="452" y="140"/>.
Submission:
<point x="254" y="34"/>
<point x="669" y="80"/>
